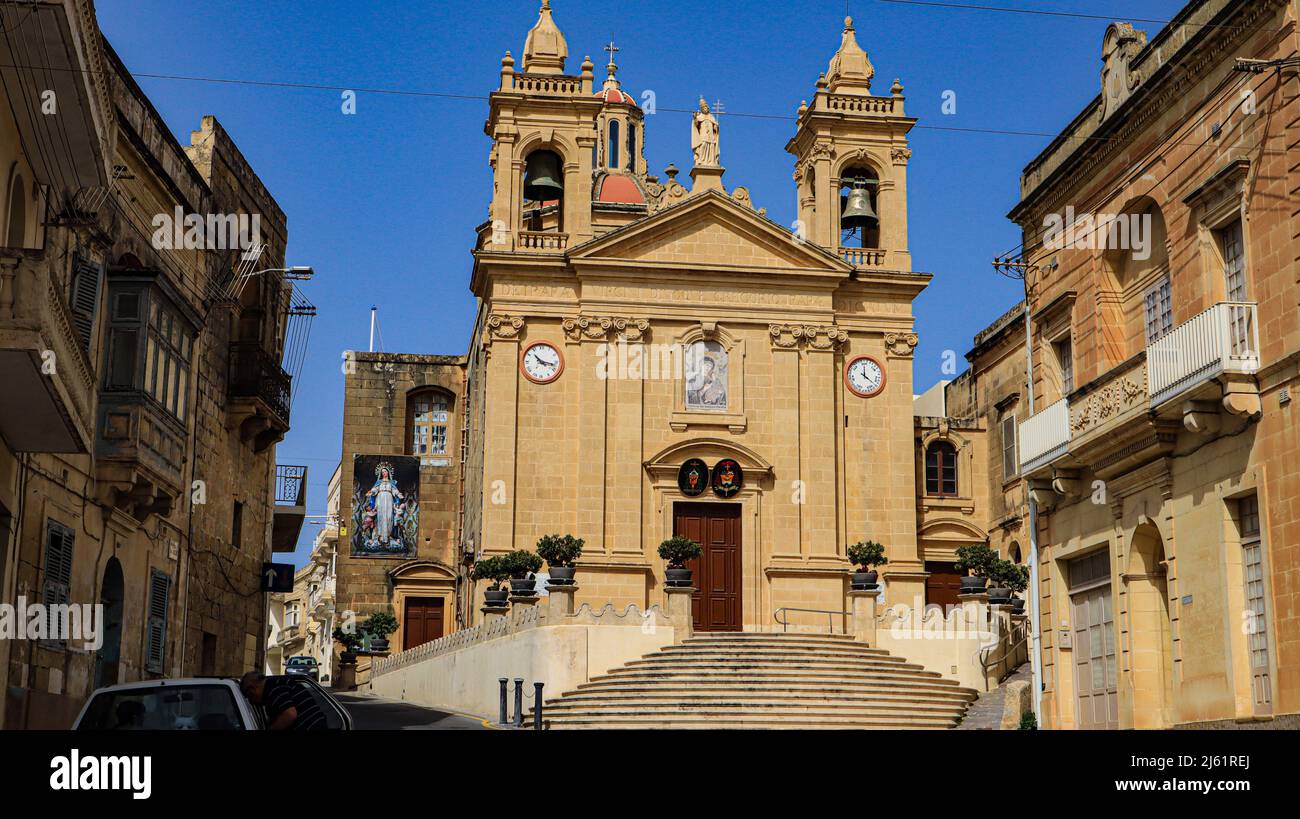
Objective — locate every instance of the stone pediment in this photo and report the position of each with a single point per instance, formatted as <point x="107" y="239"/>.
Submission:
<point x="709" y="230"/>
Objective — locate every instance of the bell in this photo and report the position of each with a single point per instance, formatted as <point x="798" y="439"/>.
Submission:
<point x="856" y="211"/>
<point x="542" y="179"/>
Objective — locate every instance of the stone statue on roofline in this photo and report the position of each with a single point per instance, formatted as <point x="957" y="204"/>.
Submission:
<point x="704" y="138"/>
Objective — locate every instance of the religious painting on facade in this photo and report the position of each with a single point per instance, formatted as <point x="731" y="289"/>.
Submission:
<point x="728" y="478"/>
<point x="706" y="376"/>
<point x="385" y="505"/>
<point x="693" y="477"/>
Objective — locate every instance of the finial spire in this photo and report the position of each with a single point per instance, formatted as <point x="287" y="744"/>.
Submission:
<point x="850" y="69"/>
<point x="545" y="50"/>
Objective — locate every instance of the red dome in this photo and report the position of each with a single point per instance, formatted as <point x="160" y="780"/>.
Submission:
<point x="615" y="95"/>
<point x="616" y="188"/>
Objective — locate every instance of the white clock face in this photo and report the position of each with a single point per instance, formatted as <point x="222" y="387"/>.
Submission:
<point x="542" y="362"/>
<point x="865" y="377"/>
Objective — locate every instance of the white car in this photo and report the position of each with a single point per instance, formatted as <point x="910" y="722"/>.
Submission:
<point x="195" y="704"/>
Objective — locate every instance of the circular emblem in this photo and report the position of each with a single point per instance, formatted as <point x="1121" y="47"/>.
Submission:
<point x="693" y="477"/>
<point x="727" y="478"/>
<point x="864" y="376"/>
<point x="541" y="362"/>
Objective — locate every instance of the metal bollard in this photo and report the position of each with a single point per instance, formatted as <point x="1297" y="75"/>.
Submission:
<point x="504" y="684"/>
<point x="519" y="702"/>
<point x="537" y="706"/>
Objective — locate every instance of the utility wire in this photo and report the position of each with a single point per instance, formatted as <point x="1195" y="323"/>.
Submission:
<point x="935" y="4"/>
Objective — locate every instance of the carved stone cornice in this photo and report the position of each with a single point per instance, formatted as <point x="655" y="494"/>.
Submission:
<point x="502" y="326"/>
<point x="901" y="345"/>
<point x="1119" y="396"/>
<point x="599" y="328"/>
<point x="823" y="337"/>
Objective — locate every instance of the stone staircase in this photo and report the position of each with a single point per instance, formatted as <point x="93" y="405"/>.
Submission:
<point x="752" y="680"/>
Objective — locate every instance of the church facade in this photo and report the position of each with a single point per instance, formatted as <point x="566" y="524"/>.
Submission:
<point x="632" y="329"/>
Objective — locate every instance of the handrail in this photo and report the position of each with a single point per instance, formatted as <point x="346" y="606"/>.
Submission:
<point x="830" y="615"/>
<point x="1021" y="629"/>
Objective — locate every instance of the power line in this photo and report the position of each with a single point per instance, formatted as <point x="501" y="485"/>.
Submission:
<point x="936" y="4"/>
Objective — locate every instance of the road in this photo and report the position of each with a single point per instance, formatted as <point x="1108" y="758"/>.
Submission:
<point x="375" y="714"/>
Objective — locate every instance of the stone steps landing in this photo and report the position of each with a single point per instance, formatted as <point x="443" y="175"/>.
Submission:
<point x="748" y="680"/>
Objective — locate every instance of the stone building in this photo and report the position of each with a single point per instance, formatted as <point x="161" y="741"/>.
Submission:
<point x="1161" y="250"/>
<point x="398" y="404"/>
<point x="144" y="393"/>
<point x="630" y="326"/>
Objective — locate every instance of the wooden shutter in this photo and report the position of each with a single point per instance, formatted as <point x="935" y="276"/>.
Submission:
<point x="85" y="298"/>
<point x="56" y="590"/>
<point x="1009" y="465"/>
<point x="156" y="648"/>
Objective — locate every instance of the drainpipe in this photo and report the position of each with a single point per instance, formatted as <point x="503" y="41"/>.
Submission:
<point x="1035" y="640"/>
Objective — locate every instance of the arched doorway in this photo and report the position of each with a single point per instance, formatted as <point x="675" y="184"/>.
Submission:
<point x="110" y="651"/>
<point x="1151" y="648"/>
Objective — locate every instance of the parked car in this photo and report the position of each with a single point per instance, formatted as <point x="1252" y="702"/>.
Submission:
<point x="303" y="665"/>
<point x="196" y="704"/>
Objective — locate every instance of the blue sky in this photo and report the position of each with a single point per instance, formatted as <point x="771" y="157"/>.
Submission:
<point x="383" y="203"/>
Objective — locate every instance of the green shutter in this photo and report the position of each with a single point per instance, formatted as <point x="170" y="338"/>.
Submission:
<point x="85" y="298"/>
<point x="159" y="593"/>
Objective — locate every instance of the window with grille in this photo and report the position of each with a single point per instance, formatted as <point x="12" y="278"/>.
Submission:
<point x="941" y="469"/>
<point x="57" y="586"/>
<point x="1158" y="308"/>
<point x="156" y="633"/>
<point x="1252" y="565"/>
<point x="429" y="415"/>
<point x="1234" y="260"/>
<point x="1010" y="464"/>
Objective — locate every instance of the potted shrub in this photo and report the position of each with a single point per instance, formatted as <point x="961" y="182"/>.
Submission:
<point x="490" y="569"/>
<point x="350" y="642"/>
<point x="1000" y="578"/>
<point x="976" y="559"/>
<point x="678" y="550"/>
<point x="560" y="552"/>
<point x="1018" y="581"/>
<point x="865" y="555"/>
<point x="520" y="565"/>
<point x="379" y="626"/>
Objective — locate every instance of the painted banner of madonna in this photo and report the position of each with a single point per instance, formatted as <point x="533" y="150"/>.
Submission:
<point x="385" y="505"/>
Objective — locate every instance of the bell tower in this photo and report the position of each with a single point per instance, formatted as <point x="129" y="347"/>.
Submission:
<point x="543" y="126"/>
<point x="850" y="171"/>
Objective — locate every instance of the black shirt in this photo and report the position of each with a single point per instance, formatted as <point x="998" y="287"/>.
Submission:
<point x="283" y="694"/>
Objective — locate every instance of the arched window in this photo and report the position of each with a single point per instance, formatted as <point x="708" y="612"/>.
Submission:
<point x="16" y="230"/>
<point x="1013" y="552"/>
<point x="631" y="148"/>
<point x="941" y="469"/>
<point x="427" y="414"/>
<point x="613" y="144"/>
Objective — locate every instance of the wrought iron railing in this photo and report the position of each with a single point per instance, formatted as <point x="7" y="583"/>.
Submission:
<point x="780" y="616"/>
<point x="290" y="485"/>
<point x="255" y="373"/>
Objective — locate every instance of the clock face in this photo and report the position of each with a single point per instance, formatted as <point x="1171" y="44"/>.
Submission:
<point x="541" y="362"/>
<point x="864" y="376"/>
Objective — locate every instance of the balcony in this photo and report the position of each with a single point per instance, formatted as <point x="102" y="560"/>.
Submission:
<point x="1044" y="437"/>
<point x="541" y="241"/>
<point x="259" y="393"/>
<point x="1221" y="341"/>
<point x="48" y="401"/>
<point x="140" y="452"/>
<point x="290" y="506"/>
<point x="1132" y="413"/>
<point x="863" y="257"/>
